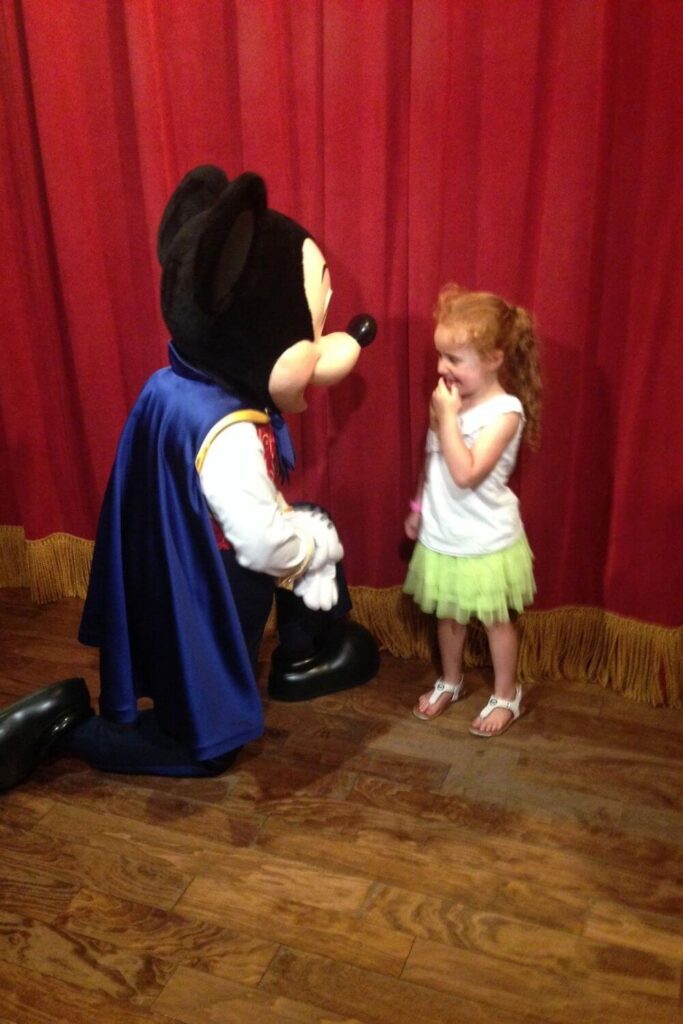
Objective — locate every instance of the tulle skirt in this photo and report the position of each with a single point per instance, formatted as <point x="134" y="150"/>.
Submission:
<point x="484" y="587"/>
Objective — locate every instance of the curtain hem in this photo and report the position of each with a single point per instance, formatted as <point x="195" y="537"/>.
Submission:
<point x="53" y="567"/>
<point x="640" y="660"/>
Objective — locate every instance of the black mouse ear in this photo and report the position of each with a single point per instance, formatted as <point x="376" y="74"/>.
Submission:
<point x="198" y="191"/>
<point x="225" y="242"/>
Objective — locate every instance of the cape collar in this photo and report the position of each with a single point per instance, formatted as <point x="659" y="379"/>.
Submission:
<point x="285" y="449"/>
<point x="180" y="366"/>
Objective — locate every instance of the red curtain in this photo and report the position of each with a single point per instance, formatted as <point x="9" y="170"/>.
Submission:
<point x="530" y="147"/>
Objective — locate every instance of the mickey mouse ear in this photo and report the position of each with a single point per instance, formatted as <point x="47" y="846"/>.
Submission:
<point x="226" y="240"/>
<point x="206" y="236"/>
<point x="198" y="191"/>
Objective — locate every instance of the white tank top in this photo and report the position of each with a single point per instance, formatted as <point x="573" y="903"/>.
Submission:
<point x="472" y="521"/>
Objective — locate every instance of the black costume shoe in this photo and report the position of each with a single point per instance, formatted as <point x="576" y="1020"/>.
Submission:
<point x="30" y="728"/>
<point x="345" y="656"/>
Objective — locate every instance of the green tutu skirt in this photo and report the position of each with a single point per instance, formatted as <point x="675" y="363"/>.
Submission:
<point x="484" y="587"/>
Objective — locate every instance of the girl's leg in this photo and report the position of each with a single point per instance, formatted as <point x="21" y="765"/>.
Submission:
<point x="503" y="644"/>
<point x="451" y="636"/>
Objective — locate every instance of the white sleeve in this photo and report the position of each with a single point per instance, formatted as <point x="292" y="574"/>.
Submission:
<point x="245" y="503"/>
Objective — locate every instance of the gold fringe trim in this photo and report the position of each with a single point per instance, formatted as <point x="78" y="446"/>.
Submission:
<point x="53" y="567"/>
<point x="637" y="659"/>
<point x="58" y="566"/>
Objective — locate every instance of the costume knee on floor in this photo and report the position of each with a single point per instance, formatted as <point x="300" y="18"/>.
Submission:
<point x="194" y="534"/>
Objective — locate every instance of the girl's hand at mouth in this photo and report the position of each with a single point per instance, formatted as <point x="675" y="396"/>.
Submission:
<point x="445" y="401"/>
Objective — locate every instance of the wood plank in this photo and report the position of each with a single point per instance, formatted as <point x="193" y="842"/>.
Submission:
<point x="79" y="960"/>
<point x="551" y="806"/>
<point x="310" y="907"/>
<point x="494" y="824"/>
<point x="330" y="754"/>
<point x="354" y="865"/>
<point x="441" y="860"/>
<point x="443" y="920"/>
<point x="545" y="728"/>
<point x="347" y="990"/>
<point x="261" y="781"/>
<point x="657" y="934"/>
<point x="30" y="997"/>
<point x="109" y="796"/>
<point x="308" y="718"/>
<point x="195" y="998"/>
<point x="646" y="821"/>
<point x="49" y="650"/>
<point x="489" y="768"/>
<point x="592" y="989"/>
<point x="26" y="856"/>
<point x="174" y="937"/>
<point x="34" y="893"/>
<point x="183" y="852"/>
<point x="21" y="808"/>
<point x="203" y="791"/>
<point x="616" y="708"/>
<point x="627" y="773"/>
<point x="391" y="694"/>
<point x="23" y="888"/>
<point x="477" y="834"/>
<point x="234" y="902"/>
<point x="255" y="779"/>
<point x="447" y="740"/>
<point x="55" y="617"/>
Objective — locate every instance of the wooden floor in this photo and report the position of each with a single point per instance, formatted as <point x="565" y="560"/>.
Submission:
<point x="356" y="865"/>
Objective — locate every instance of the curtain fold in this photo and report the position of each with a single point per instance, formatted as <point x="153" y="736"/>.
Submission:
<point x="531" y="148"/>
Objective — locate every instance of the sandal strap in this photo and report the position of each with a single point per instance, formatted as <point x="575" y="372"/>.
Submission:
<point x="440" y="687"/>
<point x="507" y="705"/>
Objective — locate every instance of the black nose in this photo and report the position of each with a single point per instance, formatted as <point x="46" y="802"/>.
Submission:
<point x="363" y="328"/>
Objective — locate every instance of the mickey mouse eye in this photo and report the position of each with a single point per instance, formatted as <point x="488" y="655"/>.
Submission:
<point x="326" y="308"/>
<point x="316" y="285"/>
<point x="324" y="299"/>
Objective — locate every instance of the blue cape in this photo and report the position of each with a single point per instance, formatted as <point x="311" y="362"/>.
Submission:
<point x="159" y="605"/>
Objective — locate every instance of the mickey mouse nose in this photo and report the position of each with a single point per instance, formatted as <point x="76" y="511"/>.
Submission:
<point x="363" y="328"/>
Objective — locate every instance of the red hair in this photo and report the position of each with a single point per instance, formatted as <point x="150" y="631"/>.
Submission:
<point x="490" y="324"/>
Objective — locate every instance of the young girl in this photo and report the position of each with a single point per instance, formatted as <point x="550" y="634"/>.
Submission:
<point x="472" y="557"/>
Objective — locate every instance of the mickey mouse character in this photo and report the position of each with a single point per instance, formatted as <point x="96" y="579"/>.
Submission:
<point x="194" y="533"/>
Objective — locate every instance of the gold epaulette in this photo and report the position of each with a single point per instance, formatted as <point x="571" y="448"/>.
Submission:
<point x="241" y="416"/>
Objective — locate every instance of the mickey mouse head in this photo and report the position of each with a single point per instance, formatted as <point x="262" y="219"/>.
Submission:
<point x="245" y="292"/>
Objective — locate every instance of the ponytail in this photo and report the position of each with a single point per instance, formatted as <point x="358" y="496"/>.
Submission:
<point x="521" y="369"/>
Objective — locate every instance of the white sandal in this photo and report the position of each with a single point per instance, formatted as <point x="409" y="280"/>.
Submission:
<point x="440" y="687"/>
<point x="514" y="706"/>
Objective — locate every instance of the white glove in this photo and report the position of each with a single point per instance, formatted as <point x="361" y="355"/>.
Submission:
<point x="317" y="587"/>
<point x="318" y="590"/>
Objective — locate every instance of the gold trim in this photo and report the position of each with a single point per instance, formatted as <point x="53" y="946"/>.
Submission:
<point x="641" y="660"/>
<point x="241" y="416"/>
<point x="53" y="567"/>
<point x="287" y="582"/>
